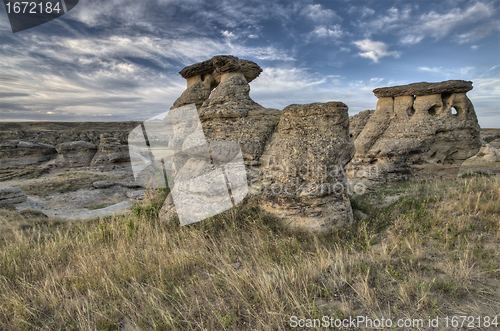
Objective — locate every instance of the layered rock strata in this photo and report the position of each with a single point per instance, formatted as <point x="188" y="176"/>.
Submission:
<point x="418" y="131"/>
<point x="304" y="183"/>
<point x="11" y="196"/>
<point x="110" y="152"/>
<point x="16" y="154"/>
<point x="75" y="154"/>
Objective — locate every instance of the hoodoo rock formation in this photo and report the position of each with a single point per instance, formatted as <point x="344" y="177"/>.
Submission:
<point x="418" y="131"/>
<point x="303" y="167"/>
<point x="316" y="133"/>
<point x="219" y="89"/>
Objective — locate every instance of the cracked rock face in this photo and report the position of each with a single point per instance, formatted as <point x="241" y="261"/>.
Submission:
<point x="303" y="181"/>
<point x="75" y="154"/>
<point x="418" y="131"/>
<point x="110" y="152"/>
<point x="17" y="154"/>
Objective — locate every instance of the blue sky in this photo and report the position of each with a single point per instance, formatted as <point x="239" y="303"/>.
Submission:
<point x="119" y="60"/>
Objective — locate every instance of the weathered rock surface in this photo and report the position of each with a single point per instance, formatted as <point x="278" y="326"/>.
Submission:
<point x="229" y="120"/>
<point x="16" y="154"/>
<point x="110" y="152"/>
<point x="168" y="213"/>
<point x="424" y="88"/>
<point x="75" y="154"/>
<point x="203" y="77"/>
<point x="314" y="137"/>
<point x="231" y="115"/>
<point x="219" y="88"/>
<point x="304" y="183"/>
<point x="11" y="196"/>
<point x="357" y="122"/>
<point x="418" y="131"/>
<point x="489" y="152"/>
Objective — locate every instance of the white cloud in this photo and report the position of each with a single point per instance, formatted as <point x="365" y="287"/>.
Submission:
<point x="478" y="32"/>
<point x="79" y="78"/>
<point x="451" y="73"/>
<point x="394" y="19"/>
<point x="479" y="18"/>
<point x="374" y="50"/>
<point x="440" y="25"/>
<point x="319" y="14"/>
<point x="228" y="34"/>
<point x="333" y="32"/>
<point x="280" y="87"/>
<point x="365" y="11"/>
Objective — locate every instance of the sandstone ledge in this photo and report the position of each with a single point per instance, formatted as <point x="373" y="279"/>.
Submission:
<point x="424" y="88"/>
<point x="221" y="64"/>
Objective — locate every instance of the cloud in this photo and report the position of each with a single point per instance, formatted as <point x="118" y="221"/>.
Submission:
<point x="478" y="33"/>
<point x="334" y="32"/>
<point x="363" y="11"/>
<point x="449" y="73"/>
<point x="281" y="86"/>
<point x="394" y="19"/>
<point x="479" y="19"/>
<point x="228" y="34"/>
<point x="438" y="25"/>
<point x="320" y="15"/>
<point x="128" y="76"/>
<point x="13" y="94"/>
<point x="374" y="50"/>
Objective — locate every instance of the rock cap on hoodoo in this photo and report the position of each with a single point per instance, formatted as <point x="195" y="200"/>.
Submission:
<point x="223" y="63"/>
<point x="424" y="88"/>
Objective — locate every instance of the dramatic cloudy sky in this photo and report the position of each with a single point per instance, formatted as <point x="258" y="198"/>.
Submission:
<point x="118" y="60"/>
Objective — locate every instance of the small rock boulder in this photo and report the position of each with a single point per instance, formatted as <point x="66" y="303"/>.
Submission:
<point x="75" y="154"/>
<point x="110" y="152"/>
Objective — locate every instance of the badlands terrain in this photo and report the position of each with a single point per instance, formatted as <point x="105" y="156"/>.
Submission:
<point x="414" y="236"/>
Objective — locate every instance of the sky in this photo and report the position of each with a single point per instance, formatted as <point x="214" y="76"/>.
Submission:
<point x="118" y="60"/>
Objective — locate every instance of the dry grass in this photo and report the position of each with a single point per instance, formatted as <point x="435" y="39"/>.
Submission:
<point x="433" y="252"/>
<point x="478" y="164"/>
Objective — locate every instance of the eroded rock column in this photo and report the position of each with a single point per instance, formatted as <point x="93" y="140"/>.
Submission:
<point x="304" y="183"/>
<point x="418" y="131"/>
<point x="231" y="128"/>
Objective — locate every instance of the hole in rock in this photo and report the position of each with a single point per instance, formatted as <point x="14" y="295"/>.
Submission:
<point x="433" y="110"/>
<point x="454" y="111"/>
<point x="411" y="110"/>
